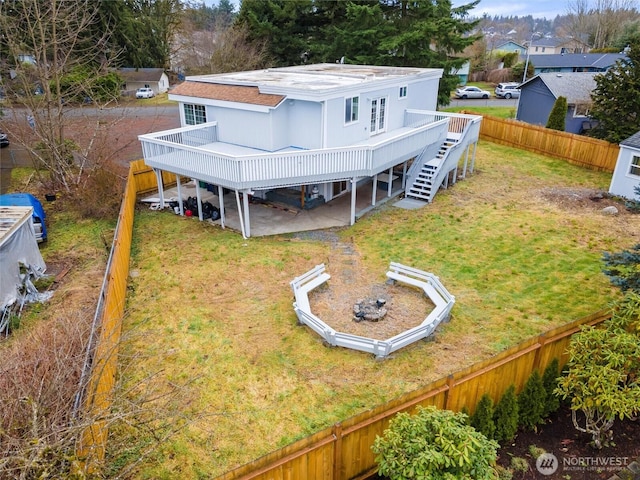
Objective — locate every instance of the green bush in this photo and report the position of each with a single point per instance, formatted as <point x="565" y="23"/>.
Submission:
<point x="558" y="114"/>
<point x="482" y="418"/>
<point x="550" y="382"/>
<point x="434" y="444"/>
<point x="505" y="416"/>
<point x="531" y="402"/>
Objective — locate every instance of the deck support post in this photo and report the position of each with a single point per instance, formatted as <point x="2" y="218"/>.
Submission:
<point x="180" y="203"/>
<point x="374" y="189"/>
<point x="354" y="182"/>
<point x="247" y="220"/>
<point x="240" y="214"/>
<point x="404" y="174"/>
<point x="390" y="182"/>
<point x="158" y="173"/>
<point x="473" y="157"/>
<point x="221" y="199"/>
<point x="199" y="199"/>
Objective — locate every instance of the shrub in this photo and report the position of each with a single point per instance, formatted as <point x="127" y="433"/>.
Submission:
<point x="550" y="381"/>
<point x="603" y="371"/>
<point x="505" y="416"/>
<point x="531" y="402"/>
<point x="558" y="114"/>
<point x="519" y="464"/>
<point x="434" y="444"/>
<point x="482" y="418"/>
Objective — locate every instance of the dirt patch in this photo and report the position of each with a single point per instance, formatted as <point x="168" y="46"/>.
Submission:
<point x="406" y="308"/>
<point x="582" y="199"/>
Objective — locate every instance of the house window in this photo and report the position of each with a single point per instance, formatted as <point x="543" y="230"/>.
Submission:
<point x="403" y="92"/>
<point x="581" y="110"/>
<point x="351" y="109"/>
<point x="634" y="168"/>
<point x="194" y="114"/>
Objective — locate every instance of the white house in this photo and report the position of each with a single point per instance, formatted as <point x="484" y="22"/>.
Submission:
<point x="153" y="78"/>
<point x="626" y="175"/>
<point x="313" y="133"/>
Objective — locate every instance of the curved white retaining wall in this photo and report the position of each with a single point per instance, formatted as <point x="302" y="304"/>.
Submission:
<point x="429" y="283"/>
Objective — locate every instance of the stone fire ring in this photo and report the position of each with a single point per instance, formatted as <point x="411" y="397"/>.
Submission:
<point x="427" y="282"/>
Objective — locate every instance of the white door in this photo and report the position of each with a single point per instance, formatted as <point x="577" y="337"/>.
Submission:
<point x="378" y="115"/>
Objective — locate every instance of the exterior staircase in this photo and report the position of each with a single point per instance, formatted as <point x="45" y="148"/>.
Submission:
<point x="426" y="179"/>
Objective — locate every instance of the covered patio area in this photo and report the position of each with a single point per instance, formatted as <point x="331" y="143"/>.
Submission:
<point x="274" y="218"/>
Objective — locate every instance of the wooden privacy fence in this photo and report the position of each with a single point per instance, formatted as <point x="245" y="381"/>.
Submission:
<point x="577" y="149"/>
<point x="343" y="451"/>
<point x="95" y="398"/>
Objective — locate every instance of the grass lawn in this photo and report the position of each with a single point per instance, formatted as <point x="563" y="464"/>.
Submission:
<point x="213" y="348"/>
<point x="500" y="112"/>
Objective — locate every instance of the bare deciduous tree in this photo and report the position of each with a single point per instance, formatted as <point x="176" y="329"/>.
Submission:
<point x="54" y="57"/>
<point x="601" y="20"/>
<point x="223" y="49"/>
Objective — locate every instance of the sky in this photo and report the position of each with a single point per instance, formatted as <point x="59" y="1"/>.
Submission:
<point x="537" y="8"/>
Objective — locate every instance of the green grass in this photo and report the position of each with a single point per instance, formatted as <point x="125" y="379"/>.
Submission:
<point x="500" y="112"/>
<point x="211" y="326"/>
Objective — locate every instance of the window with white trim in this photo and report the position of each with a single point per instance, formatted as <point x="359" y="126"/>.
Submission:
<point x="351" y="109"/>
<point x="634" y="168"/>
<point x="581" y="110"/>
<point x="403" y="92"/>
<point x="194" y="114"/>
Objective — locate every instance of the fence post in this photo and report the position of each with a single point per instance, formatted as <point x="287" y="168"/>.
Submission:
<point x="450" y="384"/>
<point x="337" y="451"/>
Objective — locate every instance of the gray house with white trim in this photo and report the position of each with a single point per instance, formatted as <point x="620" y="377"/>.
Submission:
<point x="626" y="175"/>
<point x="539" y="94"/>
<point x="313" y="133"/>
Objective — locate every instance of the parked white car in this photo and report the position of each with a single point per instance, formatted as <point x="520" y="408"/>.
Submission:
<point x="508" y="90"/>
<point x="145" y="93"/>
<point x="472" y="92"/>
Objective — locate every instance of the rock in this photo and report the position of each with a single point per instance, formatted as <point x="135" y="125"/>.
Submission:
<point x="610" y="210"/>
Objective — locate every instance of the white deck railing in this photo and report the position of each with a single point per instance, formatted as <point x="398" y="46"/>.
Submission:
<point x="192" y="152"/>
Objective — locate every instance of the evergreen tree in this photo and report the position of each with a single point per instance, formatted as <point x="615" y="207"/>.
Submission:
<point x="531" y="402"/>
<point x="550" y="382"/>
<point x="429" y="34"/>
<point x="506" y="416"/>
<point x="558" y="114"/>
<point x="482" y="418"/>
<point x="623" y="268"/>
<point x="616" y="98"/>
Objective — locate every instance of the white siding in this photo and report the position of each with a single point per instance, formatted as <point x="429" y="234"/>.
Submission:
<point x="623" y="182"/>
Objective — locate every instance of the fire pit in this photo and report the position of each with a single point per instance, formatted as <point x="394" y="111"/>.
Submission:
<point x="369" y="310"/>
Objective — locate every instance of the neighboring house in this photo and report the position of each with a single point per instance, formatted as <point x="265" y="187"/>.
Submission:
<point x="538" y="95"/>
<point x="313" y="133"/>
<point x="135" y="78"/>
<point x="462" y="73"/>
<point x="555" y="46"/>
<point x="574" y="62"/>
<point x="626" y="175"/>
<point x="510" y="47"/>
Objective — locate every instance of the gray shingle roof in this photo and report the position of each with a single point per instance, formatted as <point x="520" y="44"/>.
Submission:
<point x="576" y="60"/>
<point x="632" y="141"/>
<point x="575" y="87"/>
<point x="141" y="74"/>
